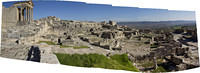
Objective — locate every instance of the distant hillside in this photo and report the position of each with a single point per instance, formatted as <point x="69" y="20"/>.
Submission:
<point x="159" y="24"/>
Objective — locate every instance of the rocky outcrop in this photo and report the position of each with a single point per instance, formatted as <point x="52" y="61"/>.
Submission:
<point x="34" y="54"/>
<point x="112" y="23"/>
<point x="112" y="35"/>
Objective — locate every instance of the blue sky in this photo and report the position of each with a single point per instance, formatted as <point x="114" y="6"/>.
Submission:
<point x="67" y="10"/>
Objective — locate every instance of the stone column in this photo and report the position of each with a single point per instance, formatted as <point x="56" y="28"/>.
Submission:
<point x="23" y="18"/>
<point x="31" y="14"/>
<point x="26" y="13"/>
<point x="18" y="14"/>
<point x="155" y="62"/>
<point x="152" y="40"/>
<point x="21" y="14"/>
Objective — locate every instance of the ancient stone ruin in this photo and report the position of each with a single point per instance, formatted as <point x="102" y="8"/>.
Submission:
<point x="148" y="49"/>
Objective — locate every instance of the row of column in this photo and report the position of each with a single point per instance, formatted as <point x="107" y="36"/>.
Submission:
<point x="26" y="14"/>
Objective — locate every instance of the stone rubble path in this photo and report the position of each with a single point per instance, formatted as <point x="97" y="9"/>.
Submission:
<point x="193" y="51"/>
<point x="47" y="56"/>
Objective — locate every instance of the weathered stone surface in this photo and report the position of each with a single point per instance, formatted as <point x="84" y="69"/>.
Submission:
<point x="181" y="51"/>
<point x="112" y="23"/>
<point x="181" y="67"/>
<point x="81" y="37"/>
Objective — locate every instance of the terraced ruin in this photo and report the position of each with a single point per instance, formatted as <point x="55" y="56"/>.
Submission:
<point x="147" y="50"/>
<point x="100" y="44"/>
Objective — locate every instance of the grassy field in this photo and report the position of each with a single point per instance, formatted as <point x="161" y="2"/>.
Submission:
<point x="47" y="42"/>
<point x="150" y="63"/>
<point x="63" y="46"/>
<point x="119" y="62"/>
<point x="75" y="47"/>
<point x="159" y="69"/>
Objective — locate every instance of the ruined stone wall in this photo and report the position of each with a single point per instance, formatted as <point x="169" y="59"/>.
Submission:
<point x="9" y="16"/>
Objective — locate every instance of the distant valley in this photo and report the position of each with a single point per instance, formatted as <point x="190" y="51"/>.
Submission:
<point x="157" y="24"/>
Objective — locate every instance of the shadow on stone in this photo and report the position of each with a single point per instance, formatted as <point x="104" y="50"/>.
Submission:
<point x="34" y="54"/>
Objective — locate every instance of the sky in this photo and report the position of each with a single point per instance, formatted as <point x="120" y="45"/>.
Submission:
<point x="67" y="10"/>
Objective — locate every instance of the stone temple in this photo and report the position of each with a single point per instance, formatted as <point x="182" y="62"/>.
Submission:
<point x="18" y="13"/>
